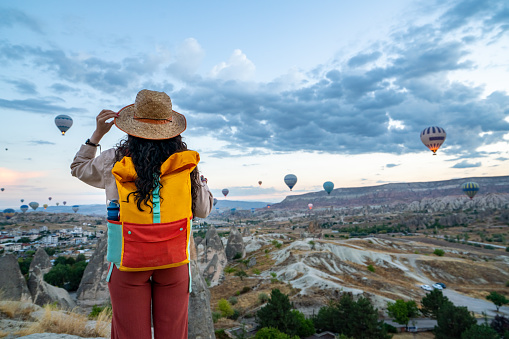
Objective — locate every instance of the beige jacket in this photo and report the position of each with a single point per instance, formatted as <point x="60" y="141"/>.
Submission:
<point x="96" y="171"/>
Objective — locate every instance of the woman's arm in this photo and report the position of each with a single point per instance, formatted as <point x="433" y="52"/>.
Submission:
<point x="204" y="201"/>
<point x="85" y="165"/>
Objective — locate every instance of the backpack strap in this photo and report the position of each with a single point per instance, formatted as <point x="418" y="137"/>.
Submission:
<point x="156" y="205"/>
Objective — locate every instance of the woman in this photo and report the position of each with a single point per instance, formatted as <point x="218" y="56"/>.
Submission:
<point x="148" y="164"/>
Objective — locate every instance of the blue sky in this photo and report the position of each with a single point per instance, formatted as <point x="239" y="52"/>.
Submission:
<point x="329" y="91"/>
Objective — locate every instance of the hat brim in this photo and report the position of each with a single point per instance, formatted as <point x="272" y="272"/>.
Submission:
<point x="146" y="130"/>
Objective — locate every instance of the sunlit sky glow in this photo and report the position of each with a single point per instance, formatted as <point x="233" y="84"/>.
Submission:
<point x="329" y="91"/>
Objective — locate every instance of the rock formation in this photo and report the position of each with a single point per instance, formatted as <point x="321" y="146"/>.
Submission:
<point x="12" y="282"/>
<point x="93" y="288"/>
<point x="246" y="232"/>
<point x="42" y="292"/>
<point x="235" y="245"/>
<point x="200" y="321"/>
<point x="212" y="257"/>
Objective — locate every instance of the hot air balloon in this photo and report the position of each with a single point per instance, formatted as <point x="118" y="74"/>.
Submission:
<point x="9" y="213"/>
<point x="34" y="205"/>
<point x="328" y="186"/>
<point x="268" y="206"/>
<point x="63" y="122"/>
<point x="45" y="206"/>
<point x="75" y="208"/>
<point x="49" y="198"/>
<point x="433" y="137"/>
<point x="64" y="202"/>
<point x="2" y="189"/>
<point x="290" y="180"/>
<point x="232" y="211"/>
<point x="57" y="203"/>
<point x="310" y="206"/>
<point x="470" y="189"/>
<point x="22" y="200"/>
<point x="252" y="210"/>
<point x="215" y="201"/>
<point x="259" y="183"/>
<point x="225" y="191"/>
<point x="24" y="208"/>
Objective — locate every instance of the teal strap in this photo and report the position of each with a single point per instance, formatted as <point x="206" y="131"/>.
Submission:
<point x="109" y="272"/>
<point x="156" y="205"/>
<point x="189" y="253"/>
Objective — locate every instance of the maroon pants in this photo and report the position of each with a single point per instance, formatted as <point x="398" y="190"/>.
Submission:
<point x="135" y="294"/>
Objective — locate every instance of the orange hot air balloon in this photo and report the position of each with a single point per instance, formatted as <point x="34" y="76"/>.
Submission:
<point x="310" y="206"/>
<point x="259" y="183"/>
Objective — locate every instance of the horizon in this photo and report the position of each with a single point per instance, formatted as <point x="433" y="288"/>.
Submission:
<point x="342" y="98"/>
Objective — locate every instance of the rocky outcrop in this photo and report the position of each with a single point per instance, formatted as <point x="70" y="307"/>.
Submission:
<point x="93" y="289"/>
<point x="246" y="232"/>
<point x="200" y="321"/>
<point x="12" y="282"/>
<point x="42" y="292"/>
<point x="212" y="257"/>
<point x="235" y="245"/>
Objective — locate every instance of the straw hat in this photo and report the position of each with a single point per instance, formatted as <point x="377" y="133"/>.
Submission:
<point x="151" y="117"/>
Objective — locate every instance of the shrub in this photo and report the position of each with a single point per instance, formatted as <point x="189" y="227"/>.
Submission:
<point x="272" y="333"/>
<point x="237" y="255"/>
<point x="97" y="310"/>
<point x="439" y="252"/>
<point x="241" y="274"/>
<point x="235" y="315"/>
<point x="216" y="316"/>
<point x="489" y="247"/>
<point x="371" y="268"/>
<point x="263" y="298"/>
<point x="278" y="245"/>
<point x="256" y="271"/>
<point x="225" y="308"/>
<point x="229" y="269"/>
<point x="232" y="300"/>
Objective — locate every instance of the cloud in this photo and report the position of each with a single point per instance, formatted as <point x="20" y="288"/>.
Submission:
<point x="363" y="58"/>
<point x="238" y="67"/>
<point x="41" y="142"/>
<point x="391" y="165"/>
<point x="466" y="164"/>
<point x="10" y="177"/>
<point x="188" y="59"/>
<point x="12" y="17"/>
<point x="37" y="106"/>
<point x="24" y="86"/>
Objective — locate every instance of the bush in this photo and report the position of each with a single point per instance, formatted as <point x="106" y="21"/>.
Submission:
<point x="237" y="255"/>
<point x="233" y="300"/>
<point x="371" y="268"/>
<point x="225" y="308"/>
<point x="263" y="298"/>
<point x="439" y="252"/>
<point x="245" y="289"/>
<point x="272" y="333"/>
<point x="96" y="310"/>
<point x="216" y="316"/>
<point x="489" y="247"/>
<point x="256" y="271"/>
<point x="235" y="315"/>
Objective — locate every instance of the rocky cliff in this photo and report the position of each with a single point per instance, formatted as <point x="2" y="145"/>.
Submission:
<point x="395" y="193"/>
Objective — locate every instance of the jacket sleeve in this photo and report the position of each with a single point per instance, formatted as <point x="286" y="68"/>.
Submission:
<point x="89" y="168"/>
<point x="204" y="202"/>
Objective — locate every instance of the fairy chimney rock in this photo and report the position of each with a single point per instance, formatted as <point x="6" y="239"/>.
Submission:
<point x="11" y="280"/>
<point x="212" y="257"/>
<point x="93" y="289"/>
<point x="235" y="245"/>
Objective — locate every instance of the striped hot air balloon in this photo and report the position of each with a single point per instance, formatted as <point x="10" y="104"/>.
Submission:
<point x="290" y="180"/>
<point x="24" y="208"/>
<point x="75" y="208"/>
<point x="63" y="122"/>
<point x="433" y="137"/>
<point x="470" y="189"/>
<point x="9" y="213"/>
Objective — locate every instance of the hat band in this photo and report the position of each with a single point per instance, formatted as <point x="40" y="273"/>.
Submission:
<point x="153" y="121"/>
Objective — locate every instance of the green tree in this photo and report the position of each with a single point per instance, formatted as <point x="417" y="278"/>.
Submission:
<point x="432" y="303"/>
<point x="81" y="257"/>
<point x="225" y="308"/>
<point x="357" y="319"/>
<point x="58" y="275"/>
<point x="277" y="313"/>
<point x="272" y="333"/>
<point x="306" y="327"/>
<point x="50" y="250"/>
<point x="483" y="331"/>
<point x="500" y="324"/>
<point x="439" y="252"/>
<point x="498" y="299"/>
<point x="452" y="321"/>
<point x="402" y="311"/>
<point x="241" y="274"/>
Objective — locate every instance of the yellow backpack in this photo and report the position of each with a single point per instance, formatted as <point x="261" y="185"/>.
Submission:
<point x="160" y="238"/>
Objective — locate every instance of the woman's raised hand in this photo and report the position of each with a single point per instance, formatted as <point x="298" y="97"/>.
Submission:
<point x="102" y="126"/>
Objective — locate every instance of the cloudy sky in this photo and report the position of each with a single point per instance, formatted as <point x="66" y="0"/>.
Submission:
<point x="326" y="90"/>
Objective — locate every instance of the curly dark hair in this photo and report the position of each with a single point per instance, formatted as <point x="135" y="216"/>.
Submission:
<point x="148" y="156"/>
